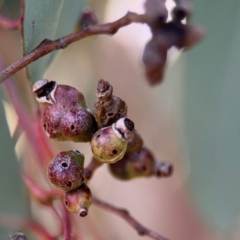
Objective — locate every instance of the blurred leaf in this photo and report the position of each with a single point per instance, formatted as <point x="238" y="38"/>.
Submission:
<point x="49" y="19"/>
<point x="212" y="115"/>
<point x="11" y="200"/>
<point x="10" y="8"/>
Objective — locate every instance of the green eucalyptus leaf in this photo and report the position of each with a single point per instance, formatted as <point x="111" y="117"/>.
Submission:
<point x="212" y="115"/>
<point x="47" y="19"/>
<point x="12" y="195"/>
<point x="10" y="8"/>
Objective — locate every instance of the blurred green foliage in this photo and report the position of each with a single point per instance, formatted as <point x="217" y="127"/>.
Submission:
<point x="211" y="115"/>
<point x="12" y="199"/>
<point x="47" y="19"/>
<point x="10" y="8"/>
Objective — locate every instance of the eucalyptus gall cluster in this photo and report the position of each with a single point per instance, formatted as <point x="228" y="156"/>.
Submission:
<point x="112" y="137"/>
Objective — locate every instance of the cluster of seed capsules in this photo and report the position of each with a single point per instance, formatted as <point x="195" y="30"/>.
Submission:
<point x="113" y="139"/>
<point x="166" y="34"/>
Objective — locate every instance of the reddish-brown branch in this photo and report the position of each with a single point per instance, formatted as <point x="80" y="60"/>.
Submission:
<point x="90" y="169"/>
<point x="29" y="225"/>
<point x="128" y="218"/>
<point x="48" y="46"/>
<point x="59" y="218"/>
<point x="9" y="23"/>
<point x="33" y="131"/>
<point x="66" y="223"/>
<point x="44" y="197"/>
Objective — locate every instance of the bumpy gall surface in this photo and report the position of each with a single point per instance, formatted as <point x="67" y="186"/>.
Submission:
<point x="65" y="171"/>
<point x="141" y="164"/>
<point x="107" y="147"/>
<point x="107" y="108"/>
<point x="109" y="144"/>
<point x="135" y="144"/>
<point x="68" y="118"/>
<point x="133" y="165"/>
<point x="78" y="200"/>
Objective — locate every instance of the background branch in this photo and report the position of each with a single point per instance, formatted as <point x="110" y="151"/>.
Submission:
<point x="34" y="132"/>
<point x="9" y="23"/>
<point x="128" y="218"/>
<point x="48" y="46"/>
<point x="28" y="224"/>
<point x="66" y="223"/>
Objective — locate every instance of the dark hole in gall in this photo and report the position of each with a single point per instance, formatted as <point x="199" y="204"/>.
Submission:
<point x="83" y="213"/>
<point x="144" y="168"/>
<point x="98" y="136"/>
<point x="129" y="124"/>
<point x="179" y="13"/>
<point x="72" y="127"/>
<point x="114" y="151"/>
<point x="69" y="183"/>
<point x="64" y="164"/>
<point x="66" y="203"/>
<point x="110" y="114"/>
<point x="45" y="126"/>
<point x="46" y="89"/>
<point x="159" y="174"/>
<point x="161" y="18"/>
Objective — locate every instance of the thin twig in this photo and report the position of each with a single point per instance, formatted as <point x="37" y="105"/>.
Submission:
<point x="66" y="223"/>
<point x="90" y="169"/>
<point x="43" y="196"/>
<point x="48" y="46"/>
<point x="33" y="131"/>
<point x="28" y="224"/>
<point x="128" y="218"/>
<point x="59" y="218"/>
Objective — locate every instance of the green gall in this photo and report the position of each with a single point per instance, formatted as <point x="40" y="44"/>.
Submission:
<point x="109" y="144"/>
